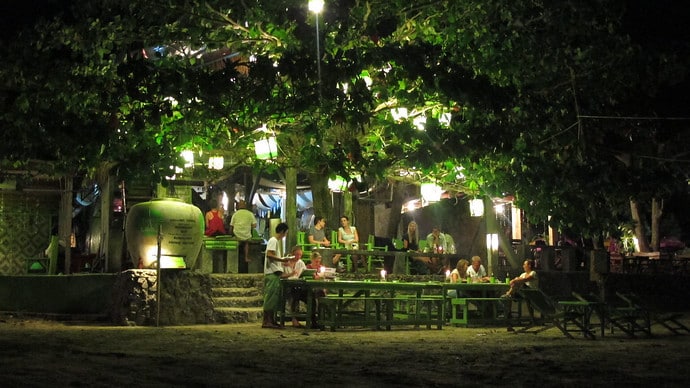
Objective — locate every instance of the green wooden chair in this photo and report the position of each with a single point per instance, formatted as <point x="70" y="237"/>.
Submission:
<point x="302" y="242"/>
<point x="398" y="244"/>
<point x="371" y="260"/>
<point x="336" y="245"/>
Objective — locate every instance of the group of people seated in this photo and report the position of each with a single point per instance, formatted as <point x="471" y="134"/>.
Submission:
<point x="436" y="242"/>
<point x="348" y="237"/>
<point x="475" y="272"/>
<point x="293" y="269"/>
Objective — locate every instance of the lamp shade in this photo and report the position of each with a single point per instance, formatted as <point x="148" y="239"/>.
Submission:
<point x="266" y="148"/>
<point x="216" y="162"/>
<point x="492" y="241"/>
<point x="315" y="6"/>
<point x="337" y="184"/>
<point x="431" y="192"/>
<point x="476" y="207"/>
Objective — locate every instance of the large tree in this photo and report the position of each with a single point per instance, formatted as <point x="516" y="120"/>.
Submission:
<point x="539" y="95"/>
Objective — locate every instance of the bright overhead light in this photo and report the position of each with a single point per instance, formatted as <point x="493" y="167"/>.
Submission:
<point x="316" y="6"/>
<point x="399" y="113"/>
<point x="338" y="184"/>
<point x="216" y="162"/>
<point x="188" y="156"/>
<point x="419" y="122"/>
<point x="476" y="207"/>
<point x="431" y="192"/>
<point x="444" y="119"/>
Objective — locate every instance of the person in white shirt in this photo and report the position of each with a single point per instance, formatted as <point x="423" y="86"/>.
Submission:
<point x="242" y="223"/>
<point x="293" y="270"/>
<point x="528" y="278"/>
<point x="476" y="273"/>
<point x="273" y="270"/>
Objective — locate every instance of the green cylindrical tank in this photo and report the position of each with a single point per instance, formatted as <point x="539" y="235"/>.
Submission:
<point x="181" y="228"/>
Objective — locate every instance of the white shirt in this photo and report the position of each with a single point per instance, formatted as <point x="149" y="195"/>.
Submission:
<point x="270" y="265"/>
<point x="242" y="222"/>
<point x="295" y="271"/>
<point x="476" y="274"/>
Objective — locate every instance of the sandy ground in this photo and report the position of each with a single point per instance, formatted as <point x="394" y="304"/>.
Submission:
<point x="46" y="353"/>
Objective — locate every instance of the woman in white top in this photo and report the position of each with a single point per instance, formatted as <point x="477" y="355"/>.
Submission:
<point x="348" y="236"/>
<point x="459" y="275"/>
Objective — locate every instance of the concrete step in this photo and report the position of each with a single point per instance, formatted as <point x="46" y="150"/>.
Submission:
<point x="238" y="301"/>
<point x="237" y="280"/>
<point x="238" y="314"/>
<point x="222" y="292"/>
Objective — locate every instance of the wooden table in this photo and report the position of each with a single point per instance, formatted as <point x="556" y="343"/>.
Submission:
<point x="483" y="295"/>
<point x="375" y="291"/>
<point x="400" y="258"/>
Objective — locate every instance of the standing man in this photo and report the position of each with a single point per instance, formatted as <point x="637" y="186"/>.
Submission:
<point x="273" y="270"/>
<point x="241" y="225"/>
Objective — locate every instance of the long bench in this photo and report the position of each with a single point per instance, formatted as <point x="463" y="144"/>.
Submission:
<point x="379" y="311"/>
<point x="461" y="306"/>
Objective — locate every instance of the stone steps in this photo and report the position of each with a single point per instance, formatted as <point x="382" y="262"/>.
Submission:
<point x="225" y="292"/>
<point x="238" y="314"/>
<point x="238" y="301"/>
<point x="237" y="298"/>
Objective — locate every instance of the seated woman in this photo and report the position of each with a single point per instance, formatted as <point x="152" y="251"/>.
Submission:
<point x="459" y="275"/>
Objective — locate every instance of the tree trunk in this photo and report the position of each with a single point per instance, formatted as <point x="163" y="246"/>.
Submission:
<point x="657" y="212"/>
<point x="639" y="226"/>
<point x="291" y="205"/>
<point x="399" y="196"/>
<point x="322" y="197"/>
<point x="65" y="220"/>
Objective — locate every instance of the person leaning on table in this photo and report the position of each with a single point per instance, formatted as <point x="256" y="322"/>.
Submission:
<point x="293" y="270"/>
<point x="316" y="264"/>
<point x="459" y="275"/>
<point x="476" y="273"/>
<point x="273" y="270"/>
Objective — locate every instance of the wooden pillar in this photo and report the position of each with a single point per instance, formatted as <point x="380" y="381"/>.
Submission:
<point x="65" y="219"/>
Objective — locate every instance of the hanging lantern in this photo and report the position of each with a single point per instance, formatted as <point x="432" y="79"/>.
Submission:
<point x="266" y="148"/>
<point x="492" y="242"/>
<point x="431" y="192"/>
<point x="216" y="162"/>
<point x="337" y="184"/>
<point x="476" y="207"/>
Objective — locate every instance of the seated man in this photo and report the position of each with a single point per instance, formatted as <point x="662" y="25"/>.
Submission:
<point x="293" y="270"/>
<point x="317" y="236"/>
<point x="527" y="278"/>
<point x="476" y="273"/>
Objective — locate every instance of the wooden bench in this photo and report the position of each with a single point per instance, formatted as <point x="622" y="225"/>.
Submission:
<point x="461" y="305"/>
<point x="380" y="311"/>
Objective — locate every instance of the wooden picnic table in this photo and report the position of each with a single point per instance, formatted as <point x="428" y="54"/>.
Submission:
<point x="350" y="291"/>
<point x="353" y="290"/>
<point x="400" y="258"/>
